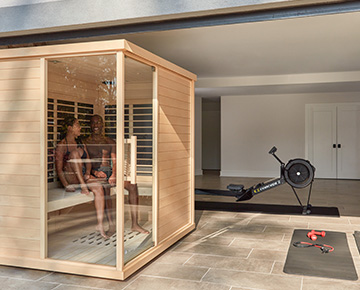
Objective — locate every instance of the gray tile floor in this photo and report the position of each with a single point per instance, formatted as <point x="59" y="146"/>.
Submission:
<point x="228" y="250"/>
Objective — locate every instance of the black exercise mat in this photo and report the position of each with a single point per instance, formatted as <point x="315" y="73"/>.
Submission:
<point x="264" y="208"/>
<point x="214" y="192"/>
<point x="357" y="239"/>
<point x="312" y="262"/>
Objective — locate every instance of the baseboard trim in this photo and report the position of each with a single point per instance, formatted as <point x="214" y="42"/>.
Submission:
<point x="198" y="172"/>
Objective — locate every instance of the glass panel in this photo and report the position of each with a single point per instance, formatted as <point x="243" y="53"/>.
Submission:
<point x="138" y="195"/>
<point x="81" y="199"/>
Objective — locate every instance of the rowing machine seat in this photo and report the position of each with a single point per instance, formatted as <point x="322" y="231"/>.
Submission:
<point x="235" y="187"/>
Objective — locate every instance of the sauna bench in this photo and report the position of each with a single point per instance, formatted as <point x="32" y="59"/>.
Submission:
<point x="58" y="198"/>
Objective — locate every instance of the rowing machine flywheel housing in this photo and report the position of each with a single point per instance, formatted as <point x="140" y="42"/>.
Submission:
<point x="299" y="173"/>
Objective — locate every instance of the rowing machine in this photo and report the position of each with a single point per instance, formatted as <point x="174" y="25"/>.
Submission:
<point x="298" y="173"/>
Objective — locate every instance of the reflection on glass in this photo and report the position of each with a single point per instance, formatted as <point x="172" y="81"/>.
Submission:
<point x="81" y="160"/>
<point x="138" y="159"/>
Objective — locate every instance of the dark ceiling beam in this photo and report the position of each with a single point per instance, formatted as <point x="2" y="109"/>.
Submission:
<point x="120" y="31"/>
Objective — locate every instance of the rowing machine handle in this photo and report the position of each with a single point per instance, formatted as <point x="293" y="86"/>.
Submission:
<point x="273" y="150"/>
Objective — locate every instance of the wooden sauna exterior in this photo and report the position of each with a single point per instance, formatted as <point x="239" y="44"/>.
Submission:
<point x="23" y="167"/>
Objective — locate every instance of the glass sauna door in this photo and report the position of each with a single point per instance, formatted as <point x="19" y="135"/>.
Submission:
<point x="81" y="159"/>
<point x="138" y="158"/>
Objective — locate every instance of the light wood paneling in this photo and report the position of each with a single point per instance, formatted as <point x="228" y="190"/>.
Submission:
<point x="67" y="92"/>
<point x="20" y="222"/>
<point x="20" y="201"/>
<point x="20" y="137"/>
<point x="174" y="164"/>
<point x="19" y="190"/>
<point x="19" y="73"/>
<point x="177" y="221"/>
<point x="17" y="211"/>
<point x="20" y="64"/>
<point x="81" y="82"/>
<point x="19" y="95"/>
<point x="174" y="86"/>
<point x="24" y="84"/>
<point x="174" y="198"/>
<point x="29" y="127"/>
<point x="57" y="82"/>
<point x="174" y="103"/>
<point x="139" y="86"/>
<point x="20" y="179"/>
<point x="13" y="116"/>
<point x="176" y="146"/>
<point x="19" y="168"/>
<point x="173" y="77"/>
<point x="166" y="164"/>
<point x="174" y="95"/>
<point x="17" y="233"/>
<point x="18" y="147"/>
<point x="173" y="138"/>
<point x="166" y="129"/>
<point x="25" y="180"/>
<point x="120" y="207"/>
<point x="174" y="172"/>
<point x="19" y="158"/>
<point x="174" y="120"/>
<point x="172" y="111"/>
<point x="163" y="156"/>
<point x="23" y="244"/>
<point x="31" y="105"/>
<point x="11" y="253"/>
<point x="22" y="93"/>
<point x="175" y="189"/>
<point x="165" y="183"/>
<point x="182" y="205"/>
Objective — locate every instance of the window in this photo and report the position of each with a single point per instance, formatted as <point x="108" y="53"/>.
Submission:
<point x="138" y="122"/>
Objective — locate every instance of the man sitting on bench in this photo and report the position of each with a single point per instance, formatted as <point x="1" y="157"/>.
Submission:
<point x="102" y="151"/>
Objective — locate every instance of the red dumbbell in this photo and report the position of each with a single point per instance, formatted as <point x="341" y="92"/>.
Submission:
<point x="313" y="234"/>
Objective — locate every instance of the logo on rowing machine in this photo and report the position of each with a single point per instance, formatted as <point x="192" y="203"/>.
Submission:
<point x="267" y="186"/>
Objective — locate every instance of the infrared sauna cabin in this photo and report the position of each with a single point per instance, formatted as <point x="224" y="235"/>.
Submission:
<point x="145" y="105"/>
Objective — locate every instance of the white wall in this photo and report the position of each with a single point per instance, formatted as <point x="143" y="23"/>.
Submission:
<point x="211" y="134"/>
<point x="251" y="125"/>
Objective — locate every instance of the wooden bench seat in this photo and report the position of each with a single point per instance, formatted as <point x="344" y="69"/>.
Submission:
<point x="58" y="198"/>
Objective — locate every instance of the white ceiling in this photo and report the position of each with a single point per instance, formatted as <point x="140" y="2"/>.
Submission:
<point x="257" y="58"/>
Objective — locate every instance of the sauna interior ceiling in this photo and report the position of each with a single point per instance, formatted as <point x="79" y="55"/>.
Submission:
<point x="99" y="69"/>
<point x="300" y="55"/>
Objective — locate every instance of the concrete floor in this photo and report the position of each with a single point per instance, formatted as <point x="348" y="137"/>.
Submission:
<point x="228" y="250"/>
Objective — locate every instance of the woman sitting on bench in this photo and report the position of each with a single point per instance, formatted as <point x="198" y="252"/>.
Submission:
<point x="74" y="173"/>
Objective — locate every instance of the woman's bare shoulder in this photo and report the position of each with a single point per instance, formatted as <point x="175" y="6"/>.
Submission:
<point x="60" y="146"/>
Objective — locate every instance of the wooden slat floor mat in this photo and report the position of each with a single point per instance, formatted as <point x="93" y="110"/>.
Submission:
<point x="92" y="248"/>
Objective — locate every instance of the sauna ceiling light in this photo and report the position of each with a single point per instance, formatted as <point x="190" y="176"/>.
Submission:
<point x="55" y="61"/>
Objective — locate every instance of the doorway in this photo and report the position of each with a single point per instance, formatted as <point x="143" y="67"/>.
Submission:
<point x="333" y="139"/>
<point x="211" y="137"/>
